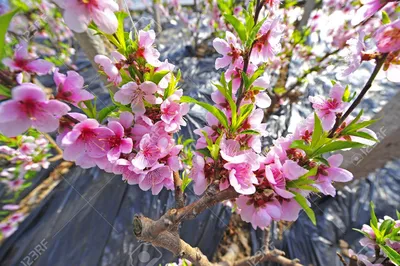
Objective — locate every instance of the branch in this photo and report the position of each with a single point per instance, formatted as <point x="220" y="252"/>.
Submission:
<point x="275" y="255"/>
<point x="179" y="196"/>
<point x="340" y="119"/>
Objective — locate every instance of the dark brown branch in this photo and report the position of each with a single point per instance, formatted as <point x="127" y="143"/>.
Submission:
<point x="179" y="196"/>
<point x="340" y="119"/>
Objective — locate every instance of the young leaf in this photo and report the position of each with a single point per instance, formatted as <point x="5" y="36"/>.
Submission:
<point x="385" y="18"/>
<point x="254" y="31"/>
<point x="185" y="181"/>
<point x="363" y="135"/>
<point x="386" y="227"/>
<point x="213" y="110"/>
<point x="5" y="20"/>
<point x="391" y="253"/>
<point x="337" y="145"/>
<point x="105" y="112"/>
<point x="238" y="26"/>
<point x="302" y="201"/>
<point x="158" y="76"/>
<point x="299" y="144"/>
<point x="245" y="111"/>
<point x="250" y="132"/>
<point x="5" y="91"/>
<point x="317" y="133"/>
<point x="374" y="220"/>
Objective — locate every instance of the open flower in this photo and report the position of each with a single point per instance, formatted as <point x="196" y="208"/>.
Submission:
<point x="327" y="109"/>
<point x="134" y="94"/>
<point x="156" y="178"/>
<point x="24" y="62"/>
<point x="197" y="174"/>
<point x="146" y="49"/>
<point x="326" y="175"/>
<point x="30" y="108"/>
<point x="111" y="67"/>
<point x="172" y="114"/>
<point x="354" y="57"/>
<point x="267" y="44"/>
<point x="78" y="14"/>
<point x="70" y="87"/>
<point x="117" y="142"/>
<point x="230" y="50"/>
<point x="387" y="37"/>
<point x="258" y="216"/>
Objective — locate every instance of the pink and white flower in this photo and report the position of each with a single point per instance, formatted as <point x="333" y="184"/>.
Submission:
<point x="172" y="114"/>
<point x="230" y="50"/>
<point x="30" y="108"/>
<point x="258" y="216"/>
<point x="156" y="178"/>
<point x="387" y="37"/>
<point x="146" y="49"/>
<point x="23" y="61"/>
<point x="355" y="51"/>
<point x="268" y="41"/>
<point x="327" y="109"/>
<point x="111" y="66"/>
<point x="135" y="95"/>
<point x="70" y="87"/>
<point x="78" y="14"/>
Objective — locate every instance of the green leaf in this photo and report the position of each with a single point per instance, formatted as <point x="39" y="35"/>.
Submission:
<point x="386" y="227"/>
<point x="5" y="91"/>
<point x="322" y="160"/>
<point x="374" y="220"/>
<point x="158" y="76"/>
<point x="5" y="20"/>
<point x="213" y="110"/>
<point x="120" y="33"/>
<point x="363" y="135"/>
<point x="185" y="181"/>
<point x="105" y="112"/>
<point x="302" y="201"/>
<point x="299" y="144"/>
<point x="205" y="152"/>
<point x="317" y="133"/>
<point x="391" y="253"/>
<point x="385" y="18"/>
<point x="245" y="110"/>
<point x="346" y="94"/>
<point x="238" y="26"/>
<point x="337" y="145"/>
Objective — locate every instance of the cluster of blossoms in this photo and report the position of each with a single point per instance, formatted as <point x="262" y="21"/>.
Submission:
<point x="381" y="235"/>
<point x="23" y="157"/>
<point x="10" y="225"/>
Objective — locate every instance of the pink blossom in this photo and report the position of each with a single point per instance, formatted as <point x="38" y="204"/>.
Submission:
<point x="111" y="67"/>
<point x="82" y="143"/>
<point x="117" y="142"/>
<point x="230" y="50"/>
<point x="135" y="95"/>
<point x="234" y="73"/>
<point x="24" y="62"/>
<point x="156" y="178"/>
<point x="258" y="216"/>
<point x="277" y="174"/>
<point x="152" y="147"/>
<point x="387" y="37"/>
<point x="124" y="167"/>
<point x="146" y="49"/>
<point x="333" y="173"/>
<point x="327" y="109"/>
<point x="362" y="258"/>
<point x="8" y="228"/>
<point x="172" y="114"/>
<point x="70" y="87"/>
<point x="290" y="210"/>
<point x="78" y="14"/>
<point x="268" y="41"/>
<point x="166" y="79"/>
<point x="242" y="177"/>
<point x="197" y="175"/>
<point x="369" y="8"/>
<point x="15" y="184"/>
<point x="11" y="207"/>
<point x="30" y="108"/>
<point x="65" y="125"/>
<point x="17" y="217"/>
<point x="356" y="49"/>
<point x="393" y="72"/>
